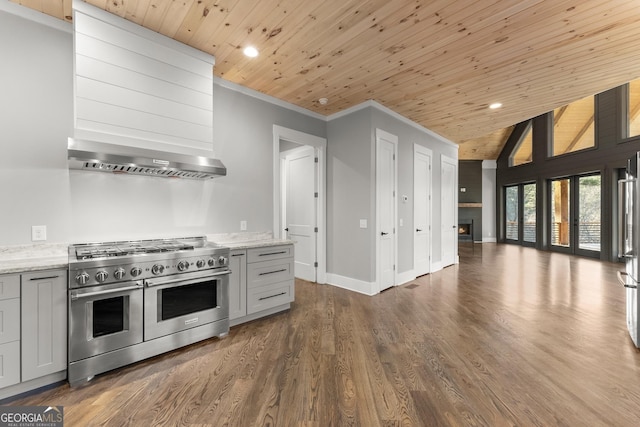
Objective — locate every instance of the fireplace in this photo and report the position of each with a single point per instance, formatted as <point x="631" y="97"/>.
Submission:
<point x="465" y="230"/>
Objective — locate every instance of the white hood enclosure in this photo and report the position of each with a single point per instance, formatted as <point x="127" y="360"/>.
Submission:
<point x="140" y="95"/>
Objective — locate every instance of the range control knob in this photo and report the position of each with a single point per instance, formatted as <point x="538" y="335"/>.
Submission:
<point x="136" y="271"/>
<point x="183" y="265"/>
<point x="200" y="263"/>
<point x="212" y="262"/>
<point x="119" y="273"/>
<point x="222" y="260"/>
<point x="157" y="269"/>
<point x="101" y="276"/>
<point x="82" y="278"/>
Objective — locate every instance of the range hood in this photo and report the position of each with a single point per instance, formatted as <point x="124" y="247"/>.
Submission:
<point x="120" y="159"/>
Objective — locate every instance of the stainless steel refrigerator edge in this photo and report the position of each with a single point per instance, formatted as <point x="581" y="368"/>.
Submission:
<point x="629" y="241"/>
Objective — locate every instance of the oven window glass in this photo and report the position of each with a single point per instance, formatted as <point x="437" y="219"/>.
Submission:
<point x="108" y="316"/>
<point x="181" y="300"/>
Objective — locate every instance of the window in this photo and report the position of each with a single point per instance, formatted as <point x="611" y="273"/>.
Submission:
<point x="573" y="128"/>
<point x="589" y="201"/>
<point x="560" y="202"/>
<point x="634" y="108"/>
<point x="523" y="151"/>
<point x="520" y="214"/>
<point x="529" y="213"/>
<point x="511" y="209"/>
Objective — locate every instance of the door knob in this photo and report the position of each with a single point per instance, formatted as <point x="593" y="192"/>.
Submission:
<point x="286" y="229"/>
<point x="382" y="233"/>
<point x="418" y="230"/>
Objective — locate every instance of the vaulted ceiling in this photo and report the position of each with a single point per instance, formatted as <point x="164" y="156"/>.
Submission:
<point x="439" y="63"/>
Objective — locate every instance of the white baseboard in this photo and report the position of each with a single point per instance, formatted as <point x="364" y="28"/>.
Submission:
<point x="350" y="284"/>
<point x="436" y="266"/>
<point x="405" y="277"/>
<point x="489" y="240"/>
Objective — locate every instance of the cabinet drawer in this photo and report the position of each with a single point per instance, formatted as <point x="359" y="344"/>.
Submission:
<point x="269" y="296"/>
<point x="9" y="286"/>
<point x="267" y="272"/>
<point x="9" y="320"/>
<point x="269" y="253"/>
<point x="9" y="364"/>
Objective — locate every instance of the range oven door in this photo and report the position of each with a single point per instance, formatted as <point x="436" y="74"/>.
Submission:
<point x="104" y="318"/>
<point x="184" y="301"/>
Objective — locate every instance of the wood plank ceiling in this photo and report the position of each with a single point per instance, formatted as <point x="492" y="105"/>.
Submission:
<point x="439" y="63"/>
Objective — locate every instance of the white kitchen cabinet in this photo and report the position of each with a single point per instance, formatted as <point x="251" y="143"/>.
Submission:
<point x="261" y="282"/>
<point x="44" y="323"/>
<point x="9" y="330"/>
<point x="238" y="284"/>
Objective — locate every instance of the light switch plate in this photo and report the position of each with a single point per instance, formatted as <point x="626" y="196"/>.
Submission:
<point x="363" y="223"/>
<point x="38" y="233"/>
<point x="243" y="225"/>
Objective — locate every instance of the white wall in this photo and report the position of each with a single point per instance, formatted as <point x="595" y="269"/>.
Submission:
<point x="35" y="120"/>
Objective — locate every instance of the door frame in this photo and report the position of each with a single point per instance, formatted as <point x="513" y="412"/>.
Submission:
<point x="419" y="149"/>
<point x="454" y="163"/>
<point x="281" y="133"/>
<point x="393" y="140"/>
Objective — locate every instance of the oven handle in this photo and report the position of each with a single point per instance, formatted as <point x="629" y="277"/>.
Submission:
<point x="152" y="282"/>
<point x="76" y="295"/>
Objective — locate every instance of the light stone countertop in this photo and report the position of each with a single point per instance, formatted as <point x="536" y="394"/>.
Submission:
<point x="33" y="257"/>
<point x="247" y="240"/>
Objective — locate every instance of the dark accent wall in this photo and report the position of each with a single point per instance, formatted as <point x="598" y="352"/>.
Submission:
<point x="610" y="154"/>
<point x="470" y="178"/>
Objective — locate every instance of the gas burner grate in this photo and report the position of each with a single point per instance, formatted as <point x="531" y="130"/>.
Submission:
<point x="130" y="248"/>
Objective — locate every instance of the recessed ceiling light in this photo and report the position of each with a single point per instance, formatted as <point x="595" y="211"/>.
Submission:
<point x="495" y="105"/>
<point x="323" y="101"/>
<point x="250" y="51"/>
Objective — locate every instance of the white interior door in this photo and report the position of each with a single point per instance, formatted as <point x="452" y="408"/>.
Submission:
<point x="422" y="210"/>
<point x="449" y="211"/>
<point x="386" y="208"/>
<point x="300" y="209"/>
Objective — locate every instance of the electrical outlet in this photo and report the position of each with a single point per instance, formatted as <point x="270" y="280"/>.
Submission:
<point x="363" y="223"/>
<point x="38" y="233"/>
<point x="401" y="222"/>
<point x="243" y="225"/>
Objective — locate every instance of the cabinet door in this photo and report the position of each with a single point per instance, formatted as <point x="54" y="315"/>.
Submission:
<point x="9" y="320"/>
<point x="238" y="284"/>
<point x="9" y="364"/>
<point x="44" y="323"/>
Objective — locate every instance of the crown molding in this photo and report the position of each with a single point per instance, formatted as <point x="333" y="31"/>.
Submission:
<point x="266" y="98"/>
<point x="374" y="104"/>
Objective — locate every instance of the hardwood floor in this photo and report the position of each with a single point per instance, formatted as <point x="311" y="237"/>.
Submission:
<point x="510" y="336"/>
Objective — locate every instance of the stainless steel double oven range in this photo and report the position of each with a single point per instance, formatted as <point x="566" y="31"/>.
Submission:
<point x="132" y="300"/>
